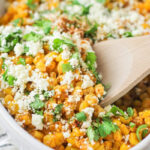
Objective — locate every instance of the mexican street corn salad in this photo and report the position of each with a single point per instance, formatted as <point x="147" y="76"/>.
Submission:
<point x="48" y="77"/>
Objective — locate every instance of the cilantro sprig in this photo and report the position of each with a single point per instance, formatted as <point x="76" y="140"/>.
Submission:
<point x="37" y="104"/>
<point x="58" y="43"/>
<point x="32" y="36"/>
<point x="44" y="24"/>
<point x="57" y="111"/>
<point x="103" y="129"/>
<point x="81" y="116"/>
<point x="11" y="40"/>
<point x="22" y="61"/>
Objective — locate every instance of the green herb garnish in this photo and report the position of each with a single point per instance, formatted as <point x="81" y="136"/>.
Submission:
<point x="66" y="67"/>
<point x="128" y="34"/>
<point x="22" y="61"/>
<point x="130" y="111"/>
<point x="91" y="33"/>
<point x="131" y="124"/>
<point x="57" y="111"/>
<point x="81" y="116"/>
<point x="31" y="4"/>
<point x="44" y="24"/>
<point x="32" y="36"/>
<point x="37" y="104"/>
<point x="58" y="43"/>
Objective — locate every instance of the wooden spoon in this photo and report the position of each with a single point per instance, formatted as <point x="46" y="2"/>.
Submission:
<point x="2" y="7"/>
<point x="123" y="63"/>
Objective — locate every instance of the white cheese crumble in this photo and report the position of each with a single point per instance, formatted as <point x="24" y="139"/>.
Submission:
<point x="68" y="78"/>
<point x="34" y="48"/>
<point x="89" y="112"/>
<point x="87" y="82"/>
<point x="19" y="49"/>
<point x="65" y="54"/>
<point x="37" y="121"/>
<point x="38" y="81"/>
<point x="74" y="62"/>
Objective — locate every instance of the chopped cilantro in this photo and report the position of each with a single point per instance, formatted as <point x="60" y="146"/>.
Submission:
<point x="58" y="43"/>
<point x="139" y="131"/>
<point x="103" y="129"/>
<point x="117" y="111"/>
<point x="81" y="116"/>
<point x="39" y="112"/>
<point x="58" y="108"/>
<point x="32" y="36"/>
<point x="66" y="67"/>
<point x="131" y="124"/>
<point x="101" y="1"/>
<point x="8" y="78"/>
<point x="57" y="111"/>
<point x="48" y="94"/>
<point x="144" y="133"/>
<point x="109" y="35"/>
<point x="44" y="24"/>
<point x="91" y="33"/>
<point x="91" y="58"/>
<point x="128" y="34"/>
<point x="22" y="61"/>
<point x="91" y="133"/>
<point x="17" y="22"/>
<point x="85" y="9"/>
<point x="4" y="65"/>
<point x="37" y="104"/>
<point x="31" y="4"/>
<point x="90" y="61"/>
<point x="107" y="127"/>
<point x="26" y="49"/>
<point x="130" y="111"/>
<point x="11" y="41"/>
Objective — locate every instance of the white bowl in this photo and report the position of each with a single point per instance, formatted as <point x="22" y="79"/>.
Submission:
<point x="24" y="140"/>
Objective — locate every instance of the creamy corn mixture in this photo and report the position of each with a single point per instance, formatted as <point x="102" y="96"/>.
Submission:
<point x="48" y="77"/>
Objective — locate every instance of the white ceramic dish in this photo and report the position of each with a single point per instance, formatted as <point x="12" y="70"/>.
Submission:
<point x="25" y="141"/>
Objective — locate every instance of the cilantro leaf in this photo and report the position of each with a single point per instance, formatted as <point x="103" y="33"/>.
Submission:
<point x="58" y="43"/>
<point x="66" y="67"/>
<point x="37" y="104"/>
<point x="130" y="111"/>
<point x="8" y="78"/>
<point x="32" y="36"/>
<point x="101" y="1"/>
<point x="91" y="33"/>
<point x="31" y="4"/>
<point x="22" y="61"/>
<point x="44" y="24"/>
<point x="128" y="34"/>
<point x="17" y="21"/>
<point x="131" y="124"/>
<point x="90" y="58"/>
<point x="117" y="111"/>
<point x="90" y="133"/>
<point x="81" y="116"/>
<point x="26" y="49"/>
<point x="11" y="41"/>
<point x="58" y="109"/>
<point x="39" y="112"/>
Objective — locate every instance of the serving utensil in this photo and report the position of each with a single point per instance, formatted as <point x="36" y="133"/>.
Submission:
<point x="123" y="63"/>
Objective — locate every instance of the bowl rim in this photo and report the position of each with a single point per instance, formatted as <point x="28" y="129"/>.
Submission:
<point x="6" y="118"/>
